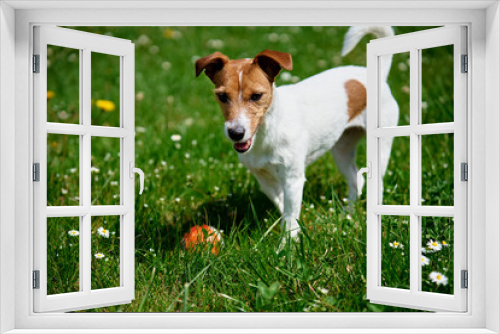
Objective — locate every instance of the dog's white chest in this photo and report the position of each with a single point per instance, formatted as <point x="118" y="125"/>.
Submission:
<point x="261" y="165"/>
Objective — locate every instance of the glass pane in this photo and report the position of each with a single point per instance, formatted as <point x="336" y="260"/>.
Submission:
<point x="105" y="89"/>
<point x="63" y="255"/>
<point x="437" y="254"/>
<point x="437" y="170"/>
<point x="395" y="252"/>
<point x="105" y="252"/>
<point x="399" y="83"/>
<point x="63" y="84"/>
<point x="105" y="171"/>
<point x="437" y="84"/>
<point x="63" y="170"/>
<point x="397" y="176"/>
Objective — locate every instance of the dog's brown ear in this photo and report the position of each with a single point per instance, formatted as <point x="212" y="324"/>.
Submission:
<point x="211" y="64"/>
<point x="271" y="62"/>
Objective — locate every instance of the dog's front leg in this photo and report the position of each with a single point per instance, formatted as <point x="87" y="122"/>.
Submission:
<point x="272" y="188"/>
<point x="293" y="186"/>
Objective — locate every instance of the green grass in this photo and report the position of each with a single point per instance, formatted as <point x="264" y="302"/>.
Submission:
<point x="199" y="180"/>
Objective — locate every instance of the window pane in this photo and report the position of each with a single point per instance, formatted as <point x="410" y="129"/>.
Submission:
<point x="395" y="252"/>
<point x="63" y="166"/>
<point x="397" y="176"/>
<point x="437" y="170"/>
<point x="105" y="171"/>
<point x="63" y="84"/>
<point x="63" y="255"/>
<point x="105" y="89"/>
<point x="437" y="84"/>
<point x="437" y="254"/>
<point x="105" y="252"/>
<point x="399" y="82"/>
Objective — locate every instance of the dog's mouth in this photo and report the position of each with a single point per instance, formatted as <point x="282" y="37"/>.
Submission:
<point x="244" y="146"/>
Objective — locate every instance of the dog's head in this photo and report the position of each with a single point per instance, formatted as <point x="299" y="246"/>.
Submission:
<point x="244" y="90"/>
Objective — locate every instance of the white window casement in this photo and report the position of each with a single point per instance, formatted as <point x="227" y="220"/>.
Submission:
<point x="472" y="310"/>
<point x="380" y="133"/>
<point x="88" y="134"/>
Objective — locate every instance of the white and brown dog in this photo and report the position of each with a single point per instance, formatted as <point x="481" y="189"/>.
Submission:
<point x="278" y="131"/>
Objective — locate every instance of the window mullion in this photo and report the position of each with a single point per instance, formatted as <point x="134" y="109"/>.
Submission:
<point x="414" y="169"/>
<point x="85" y="178"/>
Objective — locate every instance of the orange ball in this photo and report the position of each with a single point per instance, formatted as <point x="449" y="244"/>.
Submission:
<point x="196" y="237"/>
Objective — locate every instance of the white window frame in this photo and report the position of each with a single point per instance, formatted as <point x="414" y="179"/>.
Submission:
<point x="377" y="130"/>
<point x="483" y="130"/>
<point x="86" y="44"/>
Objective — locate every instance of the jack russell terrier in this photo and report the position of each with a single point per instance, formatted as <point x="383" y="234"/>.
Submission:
<point x="278" y="131"/>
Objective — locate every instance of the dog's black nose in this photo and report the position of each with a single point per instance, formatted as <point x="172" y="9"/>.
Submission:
<point x="236" y="133"/>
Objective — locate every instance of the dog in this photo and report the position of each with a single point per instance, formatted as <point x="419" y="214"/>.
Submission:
<point x="279" y="131"/>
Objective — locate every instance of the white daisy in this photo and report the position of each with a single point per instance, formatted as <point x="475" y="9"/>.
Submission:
<point x="64" y="191"/>
<point x="323" y="291"/>
<point x="175" y="137"/>
<point x="94" y="169"/>
<point x="98" y="255"/>
<point x="396" y="244"/>
<point x="445" y="244"/>
<point x="103" y="232"/>
<point x="73" y="233"/>
<point x="286" y="76"/>
<point x="434" y="245"/>
<point x="166" y="65"/>
<point x="424" y="260"/>
<point x="273" y="37"/>
<point x="438" y="278"/>
<point x="215" y="44"/>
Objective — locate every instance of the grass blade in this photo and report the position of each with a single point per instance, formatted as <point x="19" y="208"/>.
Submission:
<point x="186" y="286"/>
<point x="146" y="295"/>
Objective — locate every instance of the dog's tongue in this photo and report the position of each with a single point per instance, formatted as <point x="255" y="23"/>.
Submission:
<point x="243" y="147"/>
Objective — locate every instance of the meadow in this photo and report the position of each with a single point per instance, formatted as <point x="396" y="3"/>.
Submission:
<point x="193" y="177"/>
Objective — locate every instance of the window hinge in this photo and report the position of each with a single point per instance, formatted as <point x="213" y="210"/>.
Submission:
<point x="36" y="279"/>
<point x="36" y="63"/>
<point x="465" y="279"/>
<point x="36" y="172"/>
<point x="464" y="171"/>
<point x="465" y="64"/>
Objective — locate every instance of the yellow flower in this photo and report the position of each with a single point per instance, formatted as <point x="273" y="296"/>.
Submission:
<point x="50" y="94"/>
<point x="105" y="105"/>
<point x="172" y="34"/>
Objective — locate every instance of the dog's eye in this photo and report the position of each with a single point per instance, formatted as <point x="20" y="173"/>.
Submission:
<point x="223" y="97"/>
<point x="255" y="97"/>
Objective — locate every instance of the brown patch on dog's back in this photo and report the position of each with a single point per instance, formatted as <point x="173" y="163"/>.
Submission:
<point x="356" y="98"/>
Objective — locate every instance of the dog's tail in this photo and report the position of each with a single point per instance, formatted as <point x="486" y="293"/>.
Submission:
<point x="356" y="33"/>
